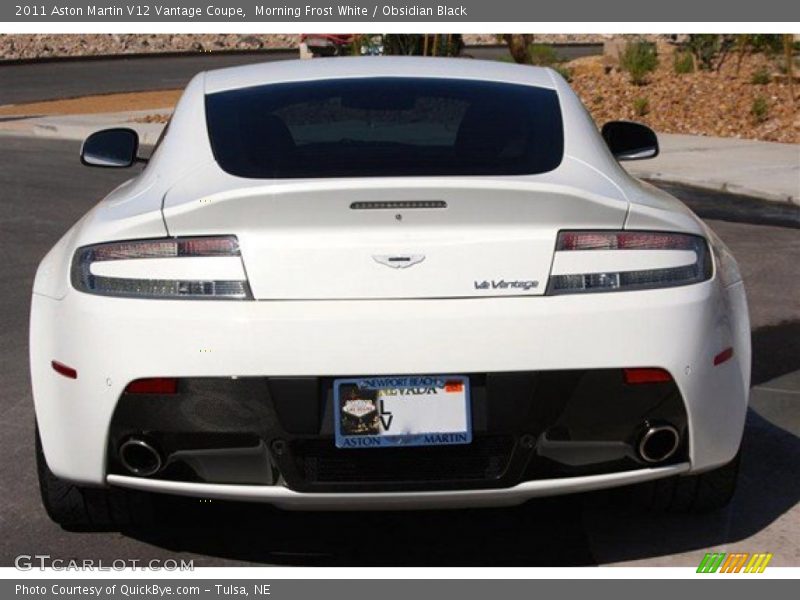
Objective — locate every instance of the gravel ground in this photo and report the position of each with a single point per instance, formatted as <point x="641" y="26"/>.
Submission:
<point x="700" y="103"/>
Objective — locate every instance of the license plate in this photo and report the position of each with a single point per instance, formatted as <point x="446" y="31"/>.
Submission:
<point x="414" y="410"/>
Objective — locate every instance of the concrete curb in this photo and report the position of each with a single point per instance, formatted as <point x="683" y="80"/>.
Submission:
<point x="78" y="127"/>
<point x="766" y="170"/>
<point x="714" y="186"/>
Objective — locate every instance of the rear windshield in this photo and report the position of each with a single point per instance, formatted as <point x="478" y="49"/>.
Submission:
<point x="385" y="127"/>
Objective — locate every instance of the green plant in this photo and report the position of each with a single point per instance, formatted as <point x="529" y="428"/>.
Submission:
<point x="638" y="58"/>
<point x="402" y="44"/>
<point x="704" y="47"/>
<point x="710" y="49"/>
<point x="766" y="43"/>
<point x="683" y="62"/>
<point x="436" y="44"/>
<point x="760" y="109"/>
<point x="565" y="72"/>
<point x="760" y="77"/>
<point x="784" y="66"/>
<point x="641" y="106"/>
<point x="542" y="55"/>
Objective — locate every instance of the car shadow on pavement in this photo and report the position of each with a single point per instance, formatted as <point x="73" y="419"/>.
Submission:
<point x="724" y="206"/>
<point x="776" y="351"/>
<point x="579" y="530"/>
<point x="550" y="534"/>
<point x="768" y="488"/>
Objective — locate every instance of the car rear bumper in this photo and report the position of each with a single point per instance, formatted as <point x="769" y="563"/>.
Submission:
<point x="525" y="426"/>
<point x="112" y="341"/>
<point x="285" y="498"/>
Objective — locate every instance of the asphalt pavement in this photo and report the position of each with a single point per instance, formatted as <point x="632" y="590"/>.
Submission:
<point x="43" y="190"/>
<point x="57" y="79"/>
<point x="65" y="78"/>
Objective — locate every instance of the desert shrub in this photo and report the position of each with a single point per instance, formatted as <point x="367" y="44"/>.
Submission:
<point x="402" y="44"/>
<point x="760" y="77"/>
<point x="638" y="58"/>
<point x="704" y="47"/>
<point x="783" y="66"/>
<point x="564" y="71"/>
<point x="760" y="109"/>
<point x="542" y="55"/>
<point x="710" y="49"/>
<point x="641" y="106"/>
<point x="413" y="44"/>
<point x="683" y="62"/>
<point x="767" y="43"/>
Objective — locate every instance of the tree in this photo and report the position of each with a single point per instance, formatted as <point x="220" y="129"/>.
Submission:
<point x="519" y="46"/>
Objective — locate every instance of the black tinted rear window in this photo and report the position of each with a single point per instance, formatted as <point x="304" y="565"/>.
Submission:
<point x="385" y="127"/>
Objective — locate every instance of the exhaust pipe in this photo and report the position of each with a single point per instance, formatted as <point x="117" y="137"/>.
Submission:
<point x="658" y="443"/>
<point x="139" y="457"/>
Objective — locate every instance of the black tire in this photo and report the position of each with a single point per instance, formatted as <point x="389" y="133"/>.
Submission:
<point x="81" y="508"/>
<point x="706" y="492"/>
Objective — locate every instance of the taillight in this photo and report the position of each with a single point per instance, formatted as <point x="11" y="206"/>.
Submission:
<point x="610" y="261"/>
<point x="188" y="268"/>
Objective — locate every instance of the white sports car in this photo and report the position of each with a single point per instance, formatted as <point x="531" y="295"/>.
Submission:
<point x="385" y="283"/>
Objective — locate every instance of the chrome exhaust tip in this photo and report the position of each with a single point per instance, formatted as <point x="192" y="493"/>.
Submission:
<point x="139" y="457"/>
<point x="658" y="443"/>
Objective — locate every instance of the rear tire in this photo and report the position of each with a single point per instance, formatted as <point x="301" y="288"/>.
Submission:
<point x="84" y="508"/>
<point x="700" y="493"/>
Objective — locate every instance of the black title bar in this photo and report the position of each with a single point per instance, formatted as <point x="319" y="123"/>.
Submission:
<point x="277" y="11"/>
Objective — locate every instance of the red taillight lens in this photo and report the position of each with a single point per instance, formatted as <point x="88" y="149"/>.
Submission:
<point x="648" y="375"/>
<point x="154" y="385"/>
<point x="167" y="248"/>
<point x="624" y="240"/>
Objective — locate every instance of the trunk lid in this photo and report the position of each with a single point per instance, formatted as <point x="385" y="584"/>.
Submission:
<point x="312" y="242"/>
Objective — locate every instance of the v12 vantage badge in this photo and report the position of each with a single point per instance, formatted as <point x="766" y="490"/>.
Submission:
<point x="502" y="284"/>
<point x="248" y="319"/>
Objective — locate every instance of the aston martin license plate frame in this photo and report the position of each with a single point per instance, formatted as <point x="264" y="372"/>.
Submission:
<point x="402" y="410"/>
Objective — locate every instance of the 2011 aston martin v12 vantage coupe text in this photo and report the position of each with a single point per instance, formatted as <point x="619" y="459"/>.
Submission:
<point x="385" y="283"/>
